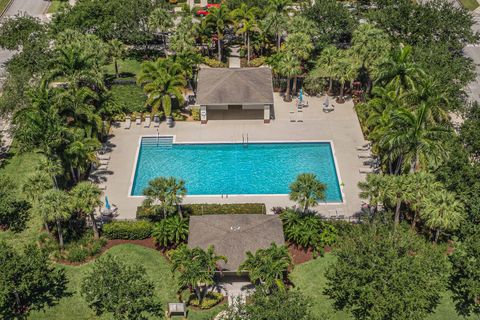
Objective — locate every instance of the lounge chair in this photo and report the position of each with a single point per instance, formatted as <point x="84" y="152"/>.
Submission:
<point x="366" y="170"/>
<point x="156" y="121"/>
<point x="328" y="109"/>
<point x="299" y="116"/>
<point x="363" y="148"/>
<point x="102" y="167"/>
<point x="367" y="155"/>
<point x="292" y="116"/>
<point x="102" y="186"/>
<point x="103" y="156"/>
<point x="138" y="120"/>
<point x="147" y="121"/>
<point x="128" y="123"/>
<point x="103" y="162"/>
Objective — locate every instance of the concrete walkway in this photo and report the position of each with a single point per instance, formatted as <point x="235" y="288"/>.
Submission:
<point x="234" y="59"/>
<point x="340" y="126"/>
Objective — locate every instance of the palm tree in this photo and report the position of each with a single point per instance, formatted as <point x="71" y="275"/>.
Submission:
<point x="289" y="67"/>
<point x="85" y="199"/>
<point x="170" y="231"/>
<point x="341" y="69"/>
<point x="196" y="267"/>
<point x="370" y="45"/>
<point x="276" y="20"/>
<point x="307" y="190"/>
<point x="325" y="66"/>
<point x="424" y="184"/>
<point x="35" y="185"/>
<point x="244" y="13"/>
<point x="80" y="153"/>
<point x="300" y="46"/>
<point x="162" y="80"/>
<point x="267" y="266"/>
<point x="218" y="19"/>
<point x="400" y="70"/>
<point x="160" y="20"/>
<point x="116" y="50"/>
<point x="53" y="206"/>
<point x="411" y="139"/>
<point x="442" y="212"/>
<point x="176" y="192"/>
<point x="247" y="28"/>
<point x="158" y="195"/>
<point x="398" y="191"/>
<point x="373" y="189"/>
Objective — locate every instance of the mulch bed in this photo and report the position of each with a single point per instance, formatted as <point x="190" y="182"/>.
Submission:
<point x="300" y="254"/>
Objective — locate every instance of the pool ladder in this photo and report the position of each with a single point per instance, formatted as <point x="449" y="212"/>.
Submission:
<point x="245" y="139"/>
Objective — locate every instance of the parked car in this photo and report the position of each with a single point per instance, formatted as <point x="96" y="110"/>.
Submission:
<point x="202" y="12"/>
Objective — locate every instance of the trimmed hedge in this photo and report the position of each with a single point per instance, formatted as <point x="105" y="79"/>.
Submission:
<point x="128" y="230"/>
<point x="201" y="209"/>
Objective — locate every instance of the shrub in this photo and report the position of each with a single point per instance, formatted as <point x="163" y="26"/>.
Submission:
<point x="129" y="230"/>
<point x="171" y="231"/>
<point x="178" y="116"/>
<point x="210" y="300"/>
<point x="77" y="254"/>
<point x="213" y="63"/>
<point x="196" y="114"/>
<point x="148" y="213"/>
<point x="257" y="62"/>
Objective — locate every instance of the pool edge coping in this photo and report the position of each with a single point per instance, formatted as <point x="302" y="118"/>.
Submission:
<point x="174" y="141"/>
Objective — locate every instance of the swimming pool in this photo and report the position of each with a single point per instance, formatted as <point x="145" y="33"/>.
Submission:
<point x="235" y="168"/>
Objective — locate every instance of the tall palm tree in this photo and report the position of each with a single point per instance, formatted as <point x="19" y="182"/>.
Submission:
<point x="196" y="267"/>
<point x="424" y="184"/>
<point x="341" y="69"/>
<point x="85" y="197"/>
<point x="244" y="13"/>
<point x="276" y="20"/>
<point x="160" y="20"/>
<point x="158" y="195"/>
<point x="247" y="28"/>
<point x="35" y="185"/>
<point x="300" y="46"/>
<point x="267" y="266"/>
<point x="442" y="212"/>
<point x="307" y="191"/>
<point x="400" y="70"/>
<point x="162" y="80"/>
<point x="218" y="19"/>
<point x="373" y="190"/>
<point x="432" y="93"/>
<point x="325" y="66"/>
<point x="289" y="67"/>
<point x="414" y="141"/>
<point x="80" y="153"/>
<point x="175" y="193"/>
<point x="116" y="51"/>
<point x="398" y="191"/>
<point x="53" y="206"/>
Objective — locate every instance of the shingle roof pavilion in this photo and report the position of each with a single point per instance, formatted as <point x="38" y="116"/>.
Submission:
<point x="237" y="86"/>
<point x="233" y="235"/>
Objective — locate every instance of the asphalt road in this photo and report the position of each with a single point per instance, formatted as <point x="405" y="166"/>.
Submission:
<point x="34" y="8"/>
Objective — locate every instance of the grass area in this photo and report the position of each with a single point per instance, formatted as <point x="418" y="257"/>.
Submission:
<point x="55" y="6"/>
<point x="18" y="168"/>
<point x="157" y="269"/>
<point x="470" y="4"/>
<point x="310" y="279"/>
<point x="3" y="5"/>
<point x="130" y="96"/>
<point x="128" y="66"/>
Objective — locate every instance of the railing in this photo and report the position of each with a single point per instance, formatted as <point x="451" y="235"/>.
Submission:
<point x="245" y="139"/>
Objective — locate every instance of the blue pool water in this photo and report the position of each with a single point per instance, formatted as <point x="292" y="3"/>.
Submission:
<point x="215" y="169"/>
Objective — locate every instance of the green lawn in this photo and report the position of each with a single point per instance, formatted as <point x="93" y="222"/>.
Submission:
<point x="157" y="269"/>
<point x="55" y="6"/>
<point x="127" y="66"/>
<point x="129" y="95"/>
<point x="3" y="4"/>
<point x="19" y="167"/>
<point x="310" y="279"/>
<point x="470" y="4"/>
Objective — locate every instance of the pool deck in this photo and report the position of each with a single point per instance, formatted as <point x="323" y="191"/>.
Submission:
<point x="340" y="126"/>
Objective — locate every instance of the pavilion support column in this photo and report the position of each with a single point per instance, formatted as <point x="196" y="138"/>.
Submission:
<point x="203" y="114"/>
<point x="266" y="113"/>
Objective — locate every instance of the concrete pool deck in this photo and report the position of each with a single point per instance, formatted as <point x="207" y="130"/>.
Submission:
<point x="340" y="126"/>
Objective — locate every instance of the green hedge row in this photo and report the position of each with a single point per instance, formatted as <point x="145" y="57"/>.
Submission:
<point x="128" y="230"/>
<point x="201" y="209"/>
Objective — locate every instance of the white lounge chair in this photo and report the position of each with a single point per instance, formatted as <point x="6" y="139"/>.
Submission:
<point x="103" y="156"/>
<point x="102" y="167"/>
<point x="138" y="120"/>
<point x="156" y="121"/>
<point x="366" y="170"/>
<point x="299" y="116"/>
<point x="367" y="155"/>
<point x="128" y="123"/>
<point x="102" y="186"/>
<point x="147" y="121"/>
<point x="103" y="162"/>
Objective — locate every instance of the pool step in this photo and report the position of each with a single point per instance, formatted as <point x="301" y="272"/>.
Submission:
<point x="161" y="142"/>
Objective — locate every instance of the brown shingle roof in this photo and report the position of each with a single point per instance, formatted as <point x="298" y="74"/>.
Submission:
<point x="233" y="235"/>
<point x="234" y="86"/>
